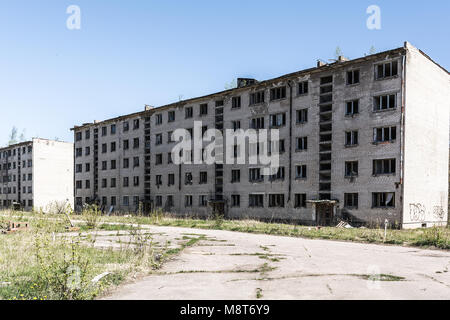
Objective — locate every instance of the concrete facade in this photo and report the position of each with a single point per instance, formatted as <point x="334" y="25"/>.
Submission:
<point x="36" y="174"/>
<point x="356" y="135"/>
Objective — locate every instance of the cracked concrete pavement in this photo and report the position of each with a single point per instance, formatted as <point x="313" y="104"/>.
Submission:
<point x="232" y="265"/>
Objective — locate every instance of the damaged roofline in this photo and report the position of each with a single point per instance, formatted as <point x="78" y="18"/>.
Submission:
<point x="264" y="83"/>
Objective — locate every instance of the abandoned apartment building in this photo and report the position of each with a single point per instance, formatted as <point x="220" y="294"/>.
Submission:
<point x="36" y="174"/>
<point x="363" y="140"/>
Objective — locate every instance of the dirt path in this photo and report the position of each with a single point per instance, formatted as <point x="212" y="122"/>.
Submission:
<point x="232" y="265"/>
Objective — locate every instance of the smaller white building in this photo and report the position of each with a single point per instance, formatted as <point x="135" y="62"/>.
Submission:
<point x="36" y="174"/>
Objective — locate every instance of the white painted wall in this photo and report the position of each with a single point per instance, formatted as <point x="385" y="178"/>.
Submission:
<point x="52" y="173"/>
<point x="426" y="141"/>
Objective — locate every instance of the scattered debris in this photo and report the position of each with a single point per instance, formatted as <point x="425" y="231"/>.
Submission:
<point x="343" y="224"/>
<point x="15" y="226"/>
<point x="72" y="229"/>
<point x="99" y="277"/>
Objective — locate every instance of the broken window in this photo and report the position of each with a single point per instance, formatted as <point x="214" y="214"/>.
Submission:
<point x="303" y="87"/>
<point x="384" y="134"/>
<point x="135" y="124"/>
<point x="351" y="138"/>
<point x="351" y="200"/>
<point x="158" y="180"/>
<point x="276" y="200"/>
<point x="383" y="200"/>
<point x="352" y="108"/>
<point x="78" y="136"/>
<point x="169" y="137"/>
<point x="385" y="102"/>
<point x="279" y="175"/>
<point x="188" y="178"/>
<point x="256" y="200"/>
<point x="169" y="201"/>
<point x="386" y="70"/>
<point x="275" y="145"/>
<point x="203" y="177"/>
<point x="255" y="175"/>
<point x="383" y="166"/>
<point x="300" y="200"/>
<point x="235" y="175"/>
<point x="351" y="168"/>
<point x="126" y="182"/>
<point x="135" y="143"/>
<point x="135" y="162"/>
<point x="277" y="93"/>
<point x="302" y="116"/>
<point x="171" y="179"/>
<point x="236" y="125"/>
<point x="277" y="120"/>
<point x="158" y="201"/>
<point x="300" y="171"/>
<point x="158" y="119"/>
<point x="301" y="143"/>
<point x="203" y="109"/>
<point x="188" y="113"/>
<point x="188" y="201"/>
<point x="257" y="123"/>
<point x="158" y="159"/>
<point x="171" y="116"/>
<point x="235" y="102"/>
<point x="235" y="200"/>
<point x="353" y="77"/>
<point x="257" y="97"/>
<point x="158" y="139"/>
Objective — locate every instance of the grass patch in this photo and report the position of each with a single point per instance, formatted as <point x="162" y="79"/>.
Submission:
<point x="438" y="237"/>
<point x="47" y="263"/>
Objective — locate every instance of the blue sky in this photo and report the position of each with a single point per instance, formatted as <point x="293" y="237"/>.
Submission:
<point x="131" y="53"/>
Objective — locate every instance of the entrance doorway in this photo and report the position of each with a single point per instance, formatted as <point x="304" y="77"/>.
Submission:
<point x="324" y="214"/>
<point x="218" y="208"/>
<point x="323" y="211"/>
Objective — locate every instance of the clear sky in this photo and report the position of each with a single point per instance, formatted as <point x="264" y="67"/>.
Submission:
<point x="131" y="53"/>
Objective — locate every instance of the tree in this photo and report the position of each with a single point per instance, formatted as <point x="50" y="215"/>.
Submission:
<point x="338" y="52"/>
<point x="13" y="136"/>
<point x="231" y="85"/>
<point x="13" y="139"/>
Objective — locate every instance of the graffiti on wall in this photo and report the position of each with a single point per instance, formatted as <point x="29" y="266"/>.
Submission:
<point x="438" y="212"/>
<point x="417" y="212"/>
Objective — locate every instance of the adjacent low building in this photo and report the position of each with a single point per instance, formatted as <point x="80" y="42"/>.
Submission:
<point x="363" y="140"/>
<point x="36" y="174"/>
